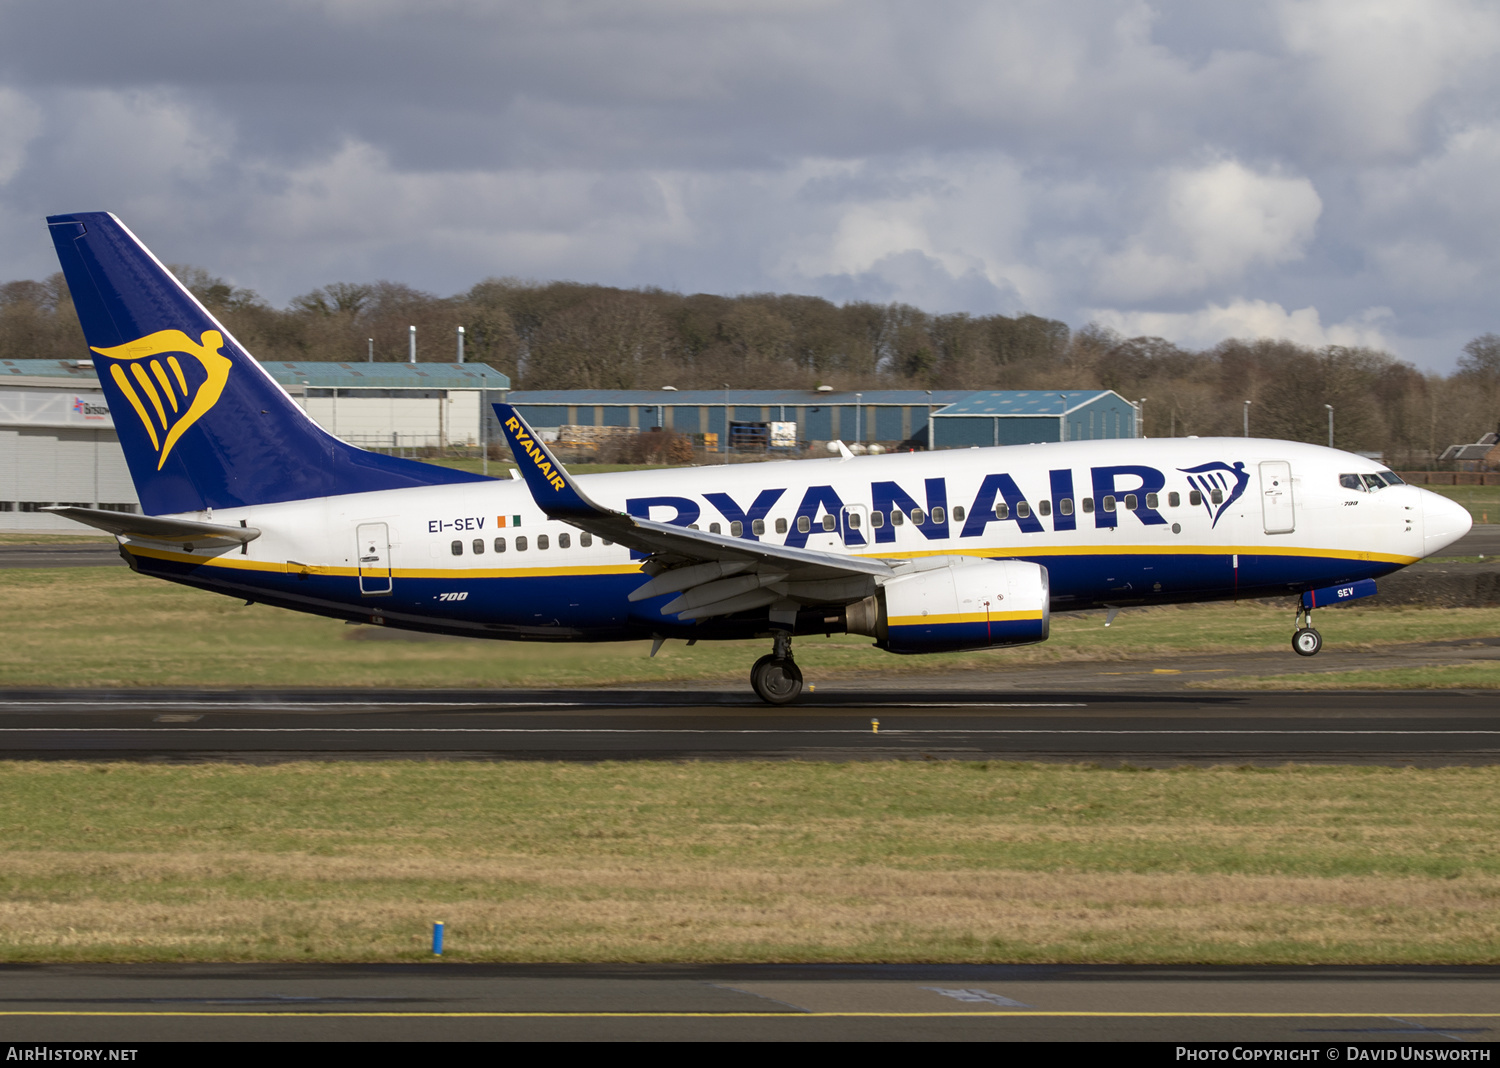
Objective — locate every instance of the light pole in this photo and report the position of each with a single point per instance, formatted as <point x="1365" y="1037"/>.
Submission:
<point x="1140" y="417"/>
<point x="1330" y="424"/>
<point x="1247" y="419"/>
<point x="858" y="429"/>
<point x="370" y="349"/>
<point x="411" y="347"/>
<point x="460" y="344"/>
<point x="726" y="421"/>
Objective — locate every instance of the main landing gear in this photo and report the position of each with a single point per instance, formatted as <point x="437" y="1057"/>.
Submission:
<point x="776" y="677"/>
<point x="1306" y="641"/>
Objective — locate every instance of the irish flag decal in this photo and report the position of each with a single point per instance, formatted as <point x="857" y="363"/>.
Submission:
<point x="507" y="521"/>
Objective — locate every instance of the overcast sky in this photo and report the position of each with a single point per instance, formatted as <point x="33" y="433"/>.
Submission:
<point x="1322" y="170"/>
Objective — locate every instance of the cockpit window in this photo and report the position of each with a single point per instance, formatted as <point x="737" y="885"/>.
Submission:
<point x="1367" y="483"/>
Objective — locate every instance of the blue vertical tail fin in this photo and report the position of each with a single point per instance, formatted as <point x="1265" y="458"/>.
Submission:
<point x="201" y="423"/>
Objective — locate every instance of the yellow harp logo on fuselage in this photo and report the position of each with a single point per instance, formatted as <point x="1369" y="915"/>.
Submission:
<point x="158" y="389"/>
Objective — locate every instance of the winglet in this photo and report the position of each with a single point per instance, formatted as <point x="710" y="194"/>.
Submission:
<point x="551" y="486"/>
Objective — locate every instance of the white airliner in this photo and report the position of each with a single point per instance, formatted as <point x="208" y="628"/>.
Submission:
<point x="924" y="552"/>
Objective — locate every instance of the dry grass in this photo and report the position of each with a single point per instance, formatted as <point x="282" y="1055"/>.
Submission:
<point x="522" y="910"/>
<point x="749" y="862"/>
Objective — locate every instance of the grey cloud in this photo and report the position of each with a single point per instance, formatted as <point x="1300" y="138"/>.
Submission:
<point x="915" y="278"/>
<point x="986" y="158"/>
<point x="511" y="84"/>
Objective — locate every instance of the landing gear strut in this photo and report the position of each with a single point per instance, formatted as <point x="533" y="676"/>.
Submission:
<point x="1306" y="641"/>
<point x="775" y="677"/>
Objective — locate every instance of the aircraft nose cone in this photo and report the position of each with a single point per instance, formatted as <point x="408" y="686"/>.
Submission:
<point x="1443" y="522"/>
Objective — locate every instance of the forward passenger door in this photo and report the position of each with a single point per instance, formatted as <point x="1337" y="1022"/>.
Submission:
<point x="1277" y="507"/>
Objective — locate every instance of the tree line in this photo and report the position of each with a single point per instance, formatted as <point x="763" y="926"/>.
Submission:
<point x="567" y="335"/>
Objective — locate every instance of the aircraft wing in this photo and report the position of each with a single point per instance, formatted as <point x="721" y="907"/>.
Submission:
<point x="715" y="574"/>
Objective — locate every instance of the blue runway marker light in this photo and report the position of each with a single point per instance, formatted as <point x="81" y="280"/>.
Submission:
<point x="437" y="938"/>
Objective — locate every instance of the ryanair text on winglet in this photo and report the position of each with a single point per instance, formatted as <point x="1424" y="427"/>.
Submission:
<point x="538" y="457"/>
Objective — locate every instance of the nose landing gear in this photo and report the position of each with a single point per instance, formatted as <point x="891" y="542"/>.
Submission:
<point x="1306" y="641"/>
<point x="775" y="677"/>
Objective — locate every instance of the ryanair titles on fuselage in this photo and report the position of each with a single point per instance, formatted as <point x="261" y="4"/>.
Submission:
<point x="1111" y="489"/>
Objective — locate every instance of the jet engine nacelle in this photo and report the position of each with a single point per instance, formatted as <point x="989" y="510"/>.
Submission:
<point x="944" y="604"/>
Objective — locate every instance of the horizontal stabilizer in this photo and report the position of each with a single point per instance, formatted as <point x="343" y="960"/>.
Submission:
<point x="185" y="531"/>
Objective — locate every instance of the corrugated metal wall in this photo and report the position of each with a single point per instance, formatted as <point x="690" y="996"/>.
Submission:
<point x="41" y="466"/>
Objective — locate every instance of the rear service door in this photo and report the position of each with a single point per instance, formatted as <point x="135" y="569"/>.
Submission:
<point x="1276" y="505"/>
<point x="374" y="559"/>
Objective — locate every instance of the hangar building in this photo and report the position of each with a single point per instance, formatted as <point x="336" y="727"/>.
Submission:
<point x="893" y="417"/>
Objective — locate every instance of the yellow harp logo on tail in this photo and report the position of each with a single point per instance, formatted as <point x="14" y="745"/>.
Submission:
<point x="152" y="379"/>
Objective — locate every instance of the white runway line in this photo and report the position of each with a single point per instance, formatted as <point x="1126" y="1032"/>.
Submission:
<point x="720" y="730"/>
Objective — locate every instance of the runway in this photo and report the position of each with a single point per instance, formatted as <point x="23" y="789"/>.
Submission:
<point x="1424" y="728"/>
<point x="1314" y="1007"/>
<point x="52" y="554"/>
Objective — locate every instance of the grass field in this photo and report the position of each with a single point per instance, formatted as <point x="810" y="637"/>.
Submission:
<point x="749" y="862"/>
<point x="111" y="627"/>
<point x="895" y="861"/>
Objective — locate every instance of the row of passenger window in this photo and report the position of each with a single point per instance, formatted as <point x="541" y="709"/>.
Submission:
<point x="898" y="518"/>
<point x="1130" y="502"/>
<point x="543" y="541"/>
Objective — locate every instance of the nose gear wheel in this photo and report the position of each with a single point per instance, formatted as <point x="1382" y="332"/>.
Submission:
<point x="1307" y="642"/>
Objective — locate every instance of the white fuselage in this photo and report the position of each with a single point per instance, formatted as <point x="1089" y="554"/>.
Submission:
<point x="1114" y="522"/>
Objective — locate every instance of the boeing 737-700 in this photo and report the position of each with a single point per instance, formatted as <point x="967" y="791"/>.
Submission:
<point x="243" y="494"/>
